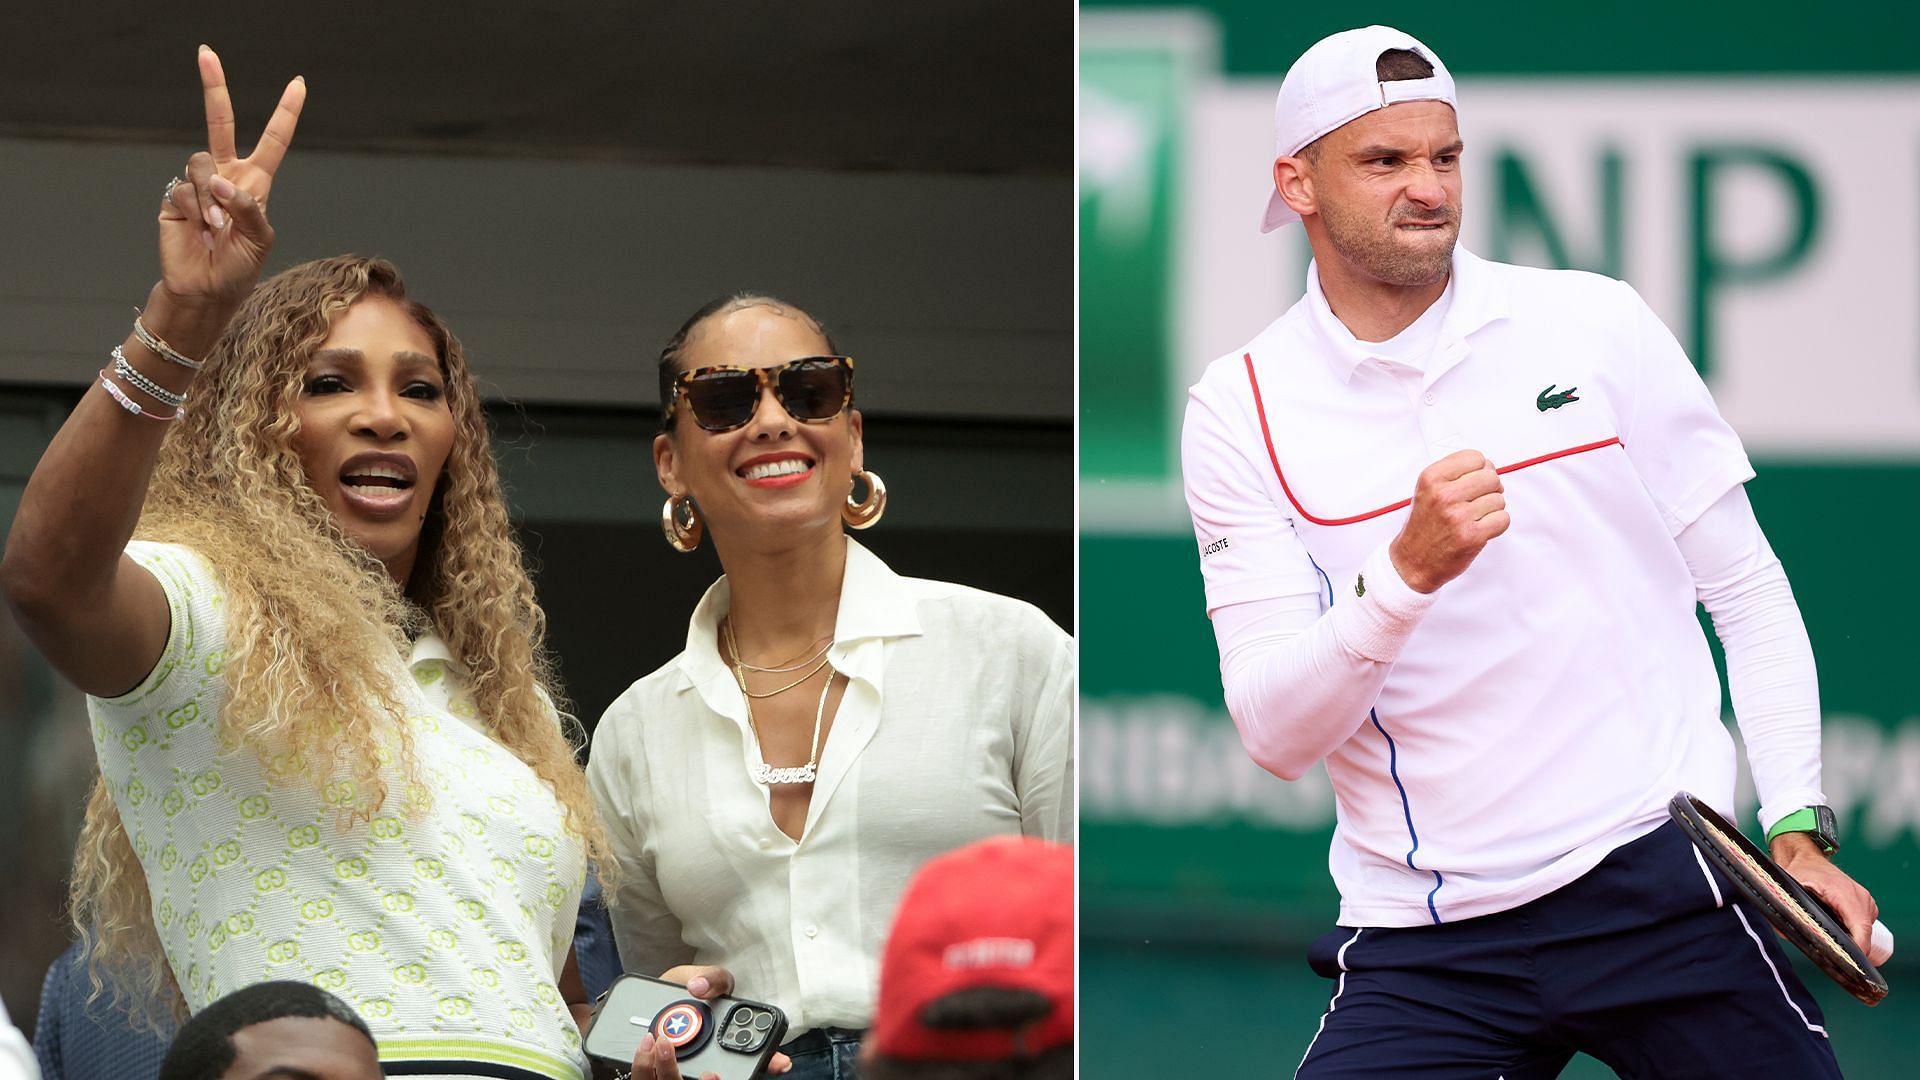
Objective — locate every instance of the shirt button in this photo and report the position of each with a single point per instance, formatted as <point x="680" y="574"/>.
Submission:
<point x="1429" y="399"/>
<point x="813" y="931"/>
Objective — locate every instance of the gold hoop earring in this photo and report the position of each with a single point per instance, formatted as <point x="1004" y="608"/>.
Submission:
<point x="866" y="513"/>
<point x="680" y="520"/>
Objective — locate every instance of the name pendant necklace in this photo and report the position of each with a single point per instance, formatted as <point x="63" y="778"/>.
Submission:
<point x="764" y="773"/>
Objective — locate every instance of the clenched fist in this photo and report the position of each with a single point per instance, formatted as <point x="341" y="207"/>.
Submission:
<point x="1458" y="505"/>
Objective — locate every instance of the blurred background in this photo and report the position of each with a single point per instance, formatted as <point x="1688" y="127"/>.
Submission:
<point x="1751" y="168"/>
<point x="565" y="183"/>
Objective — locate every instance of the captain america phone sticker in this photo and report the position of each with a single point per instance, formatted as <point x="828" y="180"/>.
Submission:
<point x="680" y="1024"/>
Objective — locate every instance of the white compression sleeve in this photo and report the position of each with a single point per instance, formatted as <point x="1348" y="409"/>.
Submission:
<point x="1770" y="671"/>
<point x="1299" y="682"/>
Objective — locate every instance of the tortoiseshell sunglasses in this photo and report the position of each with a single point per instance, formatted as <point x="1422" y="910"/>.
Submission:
<point x="813" y="390"/>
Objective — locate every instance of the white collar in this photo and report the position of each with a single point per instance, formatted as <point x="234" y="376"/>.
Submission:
<point x="1478" y="300"/>
<point x="874" y="605"/>
<point x="429" y="648"/>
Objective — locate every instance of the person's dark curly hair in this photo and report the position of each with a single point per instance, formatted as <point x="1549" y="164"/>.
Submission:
<point x="204" y="1048"/>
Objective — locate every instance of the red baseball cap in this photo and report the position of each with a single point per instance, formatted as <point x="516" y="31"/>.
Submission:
<point x="997" y="913"/>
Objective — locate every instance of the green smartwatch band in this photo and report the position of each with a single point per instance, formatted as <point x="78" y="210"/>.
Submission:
<point x="1816" y="821"/>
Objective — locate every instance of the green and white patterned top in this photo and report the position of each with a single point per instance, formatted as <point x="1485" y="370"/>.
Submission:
<point x="445" y="920"/>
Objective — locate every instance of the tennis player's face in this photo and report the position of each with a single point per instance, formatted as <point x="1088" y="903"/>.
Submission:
<point x="375" y="430"/>
<point x="1387" y="187"/>
<point x="774" y="479"/>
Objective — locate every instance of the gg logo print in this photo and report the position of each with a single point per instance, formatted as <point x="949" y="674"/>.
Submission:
<point x="193" y="924"/>
<point x="284" y="952"/>
<point x="397" y="902"/>
<point x="350" y="869"/>
<point x="254" y="806"/>
<point x="166" y="913"/>
<point x="136" y="791"/>
<point x="134" y="739"/>
<point x="226" y="853"/>
<point x="556" y="894"/>
<point x="445" y="939"/>
<point x="206" y="783"/>
<point x="511" y="951"/>
<point x="270" y="879"/>
<point x="365" y="941"/>
<point x="472" y="909"/>
<point x="387" y="827"/>
<point x="410" y="974"/>
<point x="315" y="910"/>
<point x="169" y="856"/>
<point x="473" y="824"/>
<point x="502" y="869"/>
<point x="172" y="802"/>
<point x="487" y="977"/>
<point x="182" y="716"/>
<point x="301" y="836"/>
<point x="428" y="868"/>
<point x="332" y="979"/>
<point x="540" y="847"/>
<point x="197" y="869"/>
<point x="520" y="1018"/>
<point x="455" y="1008"/>
<point x="546" y="995"/>
<point x="338" y="793"/>
<point x="378" y="1008"/>
<point x="216" y="661"/>
<point x="240" y="923"/>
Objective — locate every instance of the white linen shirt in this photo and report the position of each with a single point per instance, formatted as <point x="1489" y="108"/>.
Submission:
<point x="1539" y="710"/>
<point x="956" y="724"/>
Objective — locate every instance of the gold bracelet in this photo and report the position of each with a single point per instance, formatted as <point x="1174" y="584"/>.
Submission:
<point x="160" y="348"/>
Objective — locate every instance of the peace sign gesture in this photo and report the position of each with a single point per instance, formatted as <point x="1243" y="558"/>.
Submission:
<point x="214" y="235"/>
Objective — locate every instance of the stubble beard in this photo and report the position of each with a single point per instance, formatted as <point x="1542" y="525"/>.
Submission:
<point x="1373" y="250"/>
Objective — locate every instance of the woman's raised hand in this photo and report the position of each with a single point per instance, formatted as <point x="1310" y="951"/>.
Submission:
<point x="214" y="235"/>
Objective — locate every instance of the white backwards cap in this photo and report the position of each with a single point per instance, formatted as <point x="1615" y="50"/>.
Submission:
<point x="1333" y="83"/>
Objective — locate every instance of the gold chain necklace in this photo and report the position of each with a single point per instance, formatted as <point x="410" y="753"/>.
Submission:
<point x="825" y="643"/>
<point x="741" y="667"/>
<point x="764" y="773"/>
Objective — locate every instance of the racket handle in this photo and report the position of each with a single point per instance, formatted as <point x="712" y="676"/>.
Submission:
<point x="1880" y="949"/>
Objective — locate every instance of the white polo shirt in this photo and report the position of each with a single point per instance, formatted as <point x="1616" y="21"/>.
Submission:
<point x="1552" y="698"/>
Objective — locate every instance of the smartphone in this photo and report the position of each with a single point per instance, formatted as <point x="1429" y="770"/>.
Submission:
<point x="729" y="1036"/>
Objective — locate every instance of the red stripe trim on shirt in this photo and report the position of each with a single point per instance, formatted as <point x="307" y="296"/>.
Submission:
<point x="1267" y="434"/>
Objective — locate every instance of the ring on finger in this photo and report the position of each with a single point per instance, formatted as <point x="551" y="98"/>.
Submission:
<point x="168" y="194"/>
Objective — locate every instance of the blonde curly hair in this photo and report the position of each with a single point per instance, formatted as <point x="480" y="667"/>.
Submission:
<point x="314" y="620"/>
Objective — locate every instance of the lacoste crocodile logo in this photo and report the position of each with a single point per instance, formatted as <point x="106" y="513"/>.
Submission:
<point x="1550" y="400"/>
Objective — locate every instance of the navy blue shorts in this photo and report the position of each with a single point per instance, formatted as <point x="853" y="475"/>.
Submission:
<point x="1641" y="963"/>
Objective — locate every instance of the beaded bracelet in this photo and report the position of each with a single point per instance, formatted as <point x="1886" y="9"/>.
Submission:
<point x="140" y="382"/>
<point x="160" y="348"/>
<point x="131" y="405"/>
